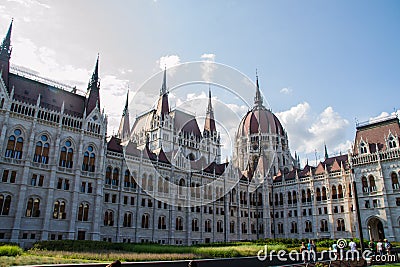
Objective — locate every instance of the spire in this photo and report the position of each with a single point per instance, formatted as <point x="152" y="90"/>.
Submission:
<point x="5" y="55"/>
<point x="124" y="127"/>
<point x="258" y="101"/>
<point x="163" y="89"/>
<point x="93" y="99"/>
<point x="6" y="45"/>
<point x="162" y="105"/>
<point x="326" y="152"/>
<point x="209" y="125"/>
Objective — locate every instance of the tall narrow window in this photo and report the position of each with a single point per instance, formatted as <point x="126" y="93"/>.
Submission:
<point x="32" y="208"/>
<point x="340" y="191"/>
<point x="5" y="202"/>
<point x="341" y="225"/>
<point x="115" y="177"/>
<point x="108" y="218"/>
<point x="127" y="181"/>
<point x="395" y="181"/>
<point x="179" y="224"/>
<point x="127" y="219"/>
<point x="145" y="221"/>
<point x="15" y="144"/>
<point x="195" y="225"/>
<point x="162" y="222"/>
<point x="372" y="185"/>
<point x="59" y="210"/>
<point x="334" y="192"/>
<point x="364" y="184"/>
<point x="83" y="212"/>
<point x="232" y="227"/>
<point x="108" y="175"/>
<point x="89" y="158"/>
<point x="318" y="194"/>
<point x="42" y="150"/>
<point x="207" y="226"/>
<point x="66" y="155"/>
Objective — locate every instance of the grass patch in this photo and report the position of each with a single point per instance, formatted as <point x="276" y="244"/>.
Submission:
<point x="10" y="250"/>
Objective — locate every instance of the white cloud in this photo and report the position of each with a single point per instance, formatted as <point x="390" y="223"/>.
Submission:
<point x="286" y="90"/>
<point x="208" y="57"/>
<point x="168" y="61"/>
<point x="309" y="132"/>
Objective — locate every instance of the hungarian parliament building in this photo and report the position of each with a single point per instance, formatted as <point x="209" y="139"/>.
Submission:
<point x="161" y="179"/>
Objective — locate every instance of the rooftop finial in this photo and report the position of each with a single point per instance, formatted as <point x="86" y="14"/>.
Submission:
<point x="163" y="90"/>
<point x="258" y="101"/>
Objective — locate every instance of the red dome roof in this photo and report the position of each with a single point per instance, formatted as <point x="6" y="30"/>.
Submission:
<point x="260" y="119"/>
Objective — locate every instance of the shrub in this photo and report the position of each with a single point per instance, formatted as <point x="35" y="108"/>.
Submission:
<point x="9" y="250"/>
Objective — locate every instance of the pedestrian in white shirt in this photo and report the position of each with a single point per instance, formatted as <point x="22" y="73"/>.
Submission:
<point x="353" y="245"/>
<point x="379" y="247"/>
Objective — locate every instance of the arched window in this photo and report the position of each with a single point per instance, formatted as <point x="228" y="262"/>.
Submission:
<point x="392" y="142"/>
<point x="294" y="197"/>
<point x="115" y="177"/>
<point x="181" y="186"/>
<point x="145" y="221"/>
<point x="289" y="198"/>
<point x="318" y="194"/>
<point x="324" y="226"/>
<point x="220" y="227"/>
<point x="179" y="224"/>
<point x="233" y="195"/>
<point x="293" y="228"/>
<point x="324" y="193"/>
<point x="83" y="212"/>
<point x="133" y="181"/>
<point x="207" y="226"/>
<point x="144" y="182"/>
<point x="5" y="203"/>
<point x="195" y="225"/>
<point x="127" y="219"/>
<point x="109" y="218"/>
<point x="372" y="185"/>
<point x="350" y="194"/>
<point x="89" y="158"/>
<point x="42" y="150"/>
<point x="166" y="186"/>
<point x="363" y="148"/>
<point x="108" y="175"/>
<point x="308" y="195"/>
<point x="308" y="228"/>
<point x="66" y="155"/>
<point x="334" y="192"/>
<point x="244" y="228"/>
<point x="395" y="181"/>
<point x="303" y="196"/>
<point x="340" y="225"/>
<point x="162" y="222"/>
<point x="160" y="184"/>
<point x="59" y="210"/>
<point x="276" y="199"/>
<point x="365" y="186"/>
<point x="33" y="207"/>
<point x="280" y="199"/>
<point x="232" y="227"/>
<point x="15" y="144"/>
<point x="340" y="191"/>
<point x="150" y="183"/>
<point x="127" y="181"/>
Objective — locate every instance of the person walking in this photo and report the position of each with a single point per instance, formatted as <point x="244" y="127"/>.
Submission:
<point x="388" y="246"/>
<point x="379" y="247"/>
<point x="353" y="245"/>
<point x="372" y="247"/>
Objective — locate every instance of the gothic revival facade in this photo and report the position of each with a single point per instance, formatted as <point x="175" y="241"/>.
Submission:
<point x="376" y="166"/>
<point x="162" y="179"/>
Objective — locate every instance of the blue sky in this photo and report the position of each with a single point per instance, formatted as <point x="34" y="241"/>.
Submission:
<point x="321" y="63"/>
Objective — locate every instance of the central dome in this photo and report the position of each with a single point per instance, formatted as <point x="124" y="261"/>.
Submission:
<point x="260" y="120"/>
